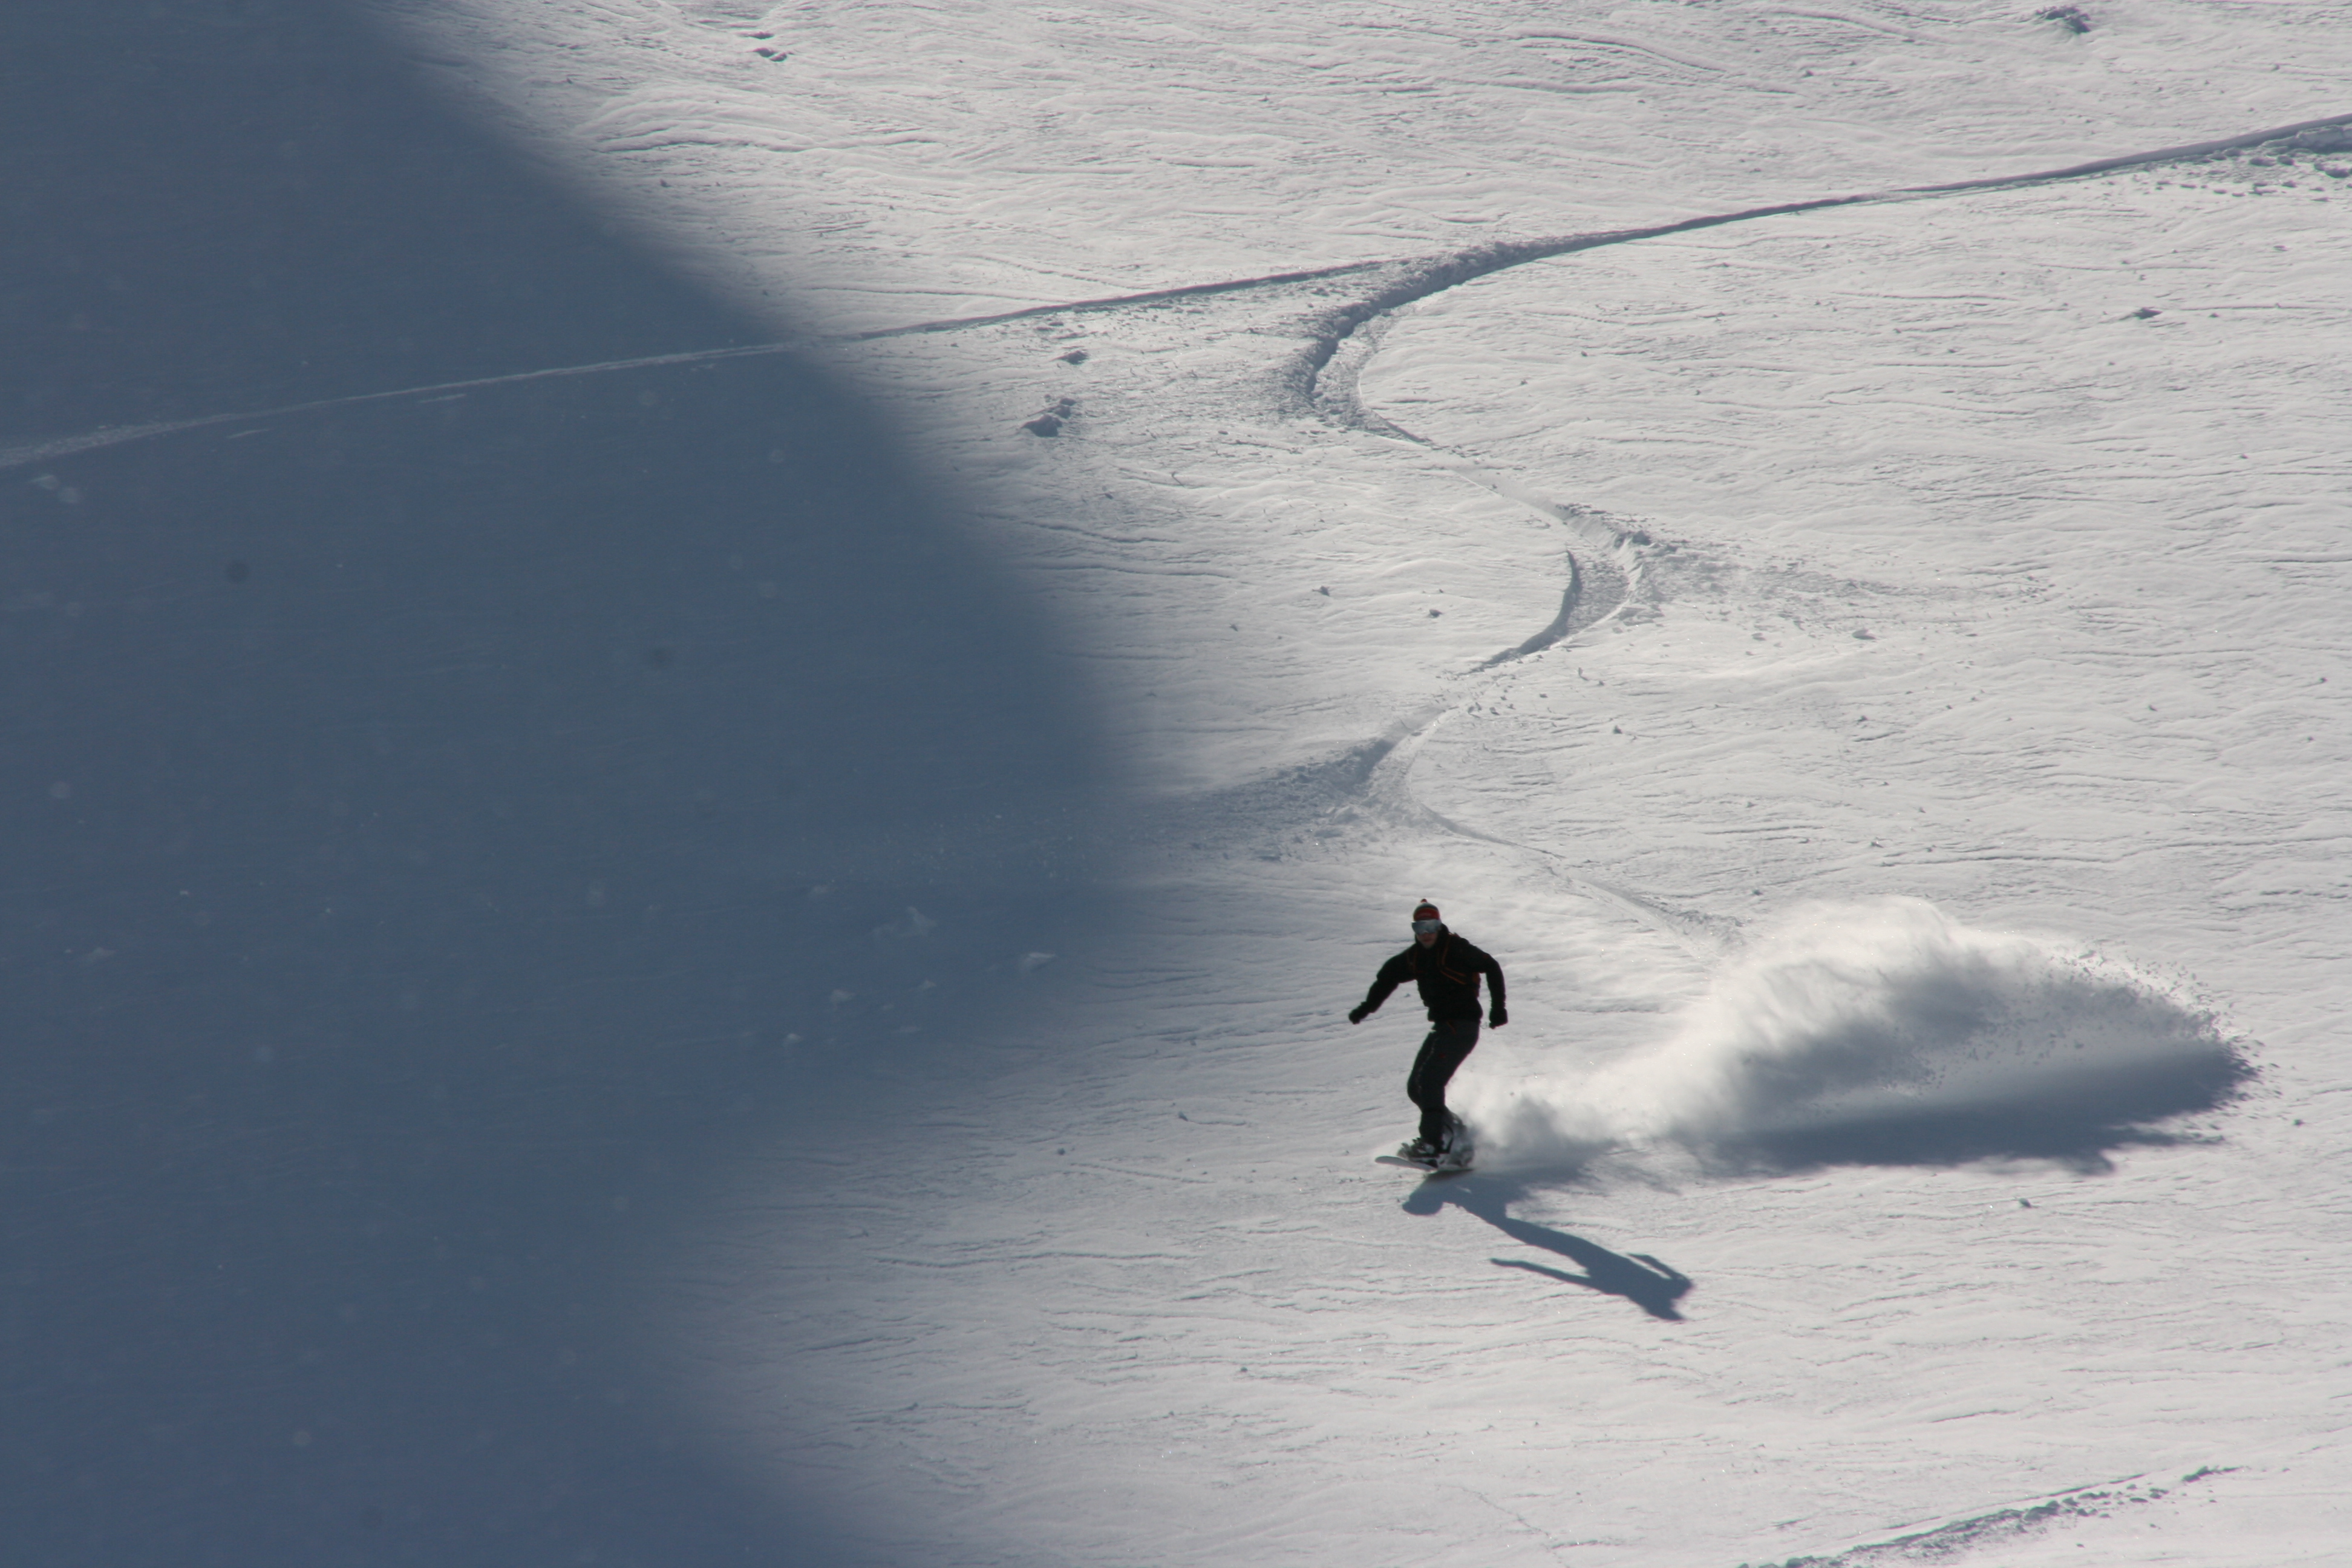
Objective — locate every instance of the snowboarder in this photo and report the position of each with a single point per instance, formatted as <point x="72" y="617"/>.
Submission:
<point x="1447" y="967"/>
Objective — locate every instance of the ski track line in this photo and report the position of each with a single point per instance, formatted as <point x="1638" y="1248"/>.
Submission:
<point x="1309" y="386"/>
<point x="1419" y="278"/>
<point x="1390" y="773"/>
<point x="1387" y="764"/>
<point x="2000" y="1526"/>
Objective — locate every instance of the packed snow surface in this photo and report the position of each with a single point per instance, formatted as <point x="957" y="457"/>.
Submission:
<point x="1875" y="675"/>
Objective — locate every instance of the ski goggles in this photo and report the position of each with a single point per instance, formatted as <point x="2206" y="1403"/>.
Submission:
<point x="1427" y="928"/>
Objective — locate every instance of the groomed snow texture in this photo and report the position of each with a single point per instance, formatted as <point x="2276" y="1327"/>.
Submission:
<point x="1819" y="534"/>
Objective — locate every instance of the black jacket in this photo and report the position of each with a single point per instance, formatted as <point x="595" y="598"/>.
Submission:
<point x="1447" y="971"/>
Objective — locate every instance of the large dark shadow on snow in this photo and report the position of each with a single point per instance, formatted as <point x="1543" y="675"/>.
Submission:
<point x="422" y="827"/>
<point x="1649" y="1284"/>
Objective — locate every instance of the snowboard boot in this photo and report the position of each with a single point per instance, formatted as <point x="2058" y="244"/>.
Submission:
<point x="1456" y="1154"/>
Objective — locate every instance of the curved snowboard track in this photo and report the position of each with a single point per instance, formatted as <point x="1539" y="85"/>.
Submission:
<point x="1406" y="282"/>
<point x="1420" y="279"/>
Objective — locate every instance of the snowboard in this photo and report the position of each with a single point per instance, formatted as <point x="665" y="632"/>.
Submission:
<point x="1448" y="1167"/>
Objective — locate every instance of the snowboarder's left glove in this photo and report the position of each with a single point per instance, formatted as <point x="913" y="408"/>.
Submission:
<point x="1356" y="1014"/>
<point x="1496" y="1017"/>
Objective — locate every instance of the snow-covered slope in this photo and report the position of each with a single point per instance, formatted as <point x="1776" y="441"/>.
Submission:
<point x="1876" y="676"/>
<point x="881" y="164"/>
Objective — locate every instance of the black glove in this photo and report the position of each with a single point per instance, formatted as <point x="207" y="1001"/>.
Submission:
<point x="1496" y="1017"/>
<point x="1356" y="1014"/>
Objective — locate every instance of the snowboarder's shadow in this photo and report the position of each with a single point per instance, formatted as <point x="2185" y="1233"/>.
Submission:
<point x="1649" y="1284"/>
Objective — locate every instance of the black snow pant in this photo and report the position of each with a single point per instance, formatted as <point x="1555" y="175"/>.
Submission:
<point x="1449" y="1044"/>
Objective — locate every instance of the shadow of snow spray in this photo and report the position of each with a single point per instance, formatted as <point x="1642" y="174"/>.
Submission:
<point x="1887" y="1033"/>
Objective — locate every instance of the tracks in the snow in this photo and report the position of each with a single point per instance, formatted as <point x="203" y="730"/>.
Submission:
<point x="1401" y="282"/>
<point x="1322" y="378"/>
<point x="2001" y="1526"/>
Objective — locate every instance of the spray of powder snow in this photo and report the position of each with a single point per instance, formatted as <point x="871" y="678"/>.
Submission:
<point x="1887" y="1033"/>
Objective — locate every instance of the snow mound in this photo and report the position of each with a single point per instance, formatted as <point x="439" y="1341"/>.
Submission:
<point x="1888" y="1033"/>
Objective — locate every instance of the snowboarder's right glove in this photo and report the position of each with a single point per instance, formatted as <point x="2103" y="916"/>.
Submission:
<point x="1496" y="1017"/>
<point x="1356" y="1014"/>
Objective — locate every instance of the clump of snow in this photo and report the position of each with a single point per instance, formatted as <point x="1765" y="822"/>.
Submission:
<point x="1888" y="1032"/>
